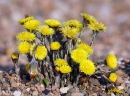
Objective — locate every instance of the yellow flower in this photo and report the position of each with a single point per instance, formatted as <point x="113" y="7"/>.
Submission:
<point x="65" y="69"/>
<point x="75" y="40"/>
<point x="111" y="61"/>
<point x="85" y="47"/>
<point x="32" y="24"/>
<point x="27" y="67"/>
<point x="97" y="26"/>
<point x="69" y="32"/>
<point x="26" y="36"/>
<point x="52" y="23"/>
<point x="24" y="47"/>
<point x="60" y="62"/>
<point x="113" y="77"/>
<point x="74" y="24"/>
<point x="78" y="55"/>
<point x="88" y="18"/>
<point x="15" y="56"/>
<point x="32" y="48"/>
<point x="115" y="90"/>
<point x="57" y="68"/>
<point x="45" y="30"/>
<point x="87" y="67"/>
<point x="55" y="45"/>
<point x="24" y="20"/>
<point x="41" y="52"/>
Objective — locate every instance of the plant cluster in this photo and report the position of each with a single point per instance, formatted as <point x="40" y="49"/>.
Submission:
<point x="57" y="52"/>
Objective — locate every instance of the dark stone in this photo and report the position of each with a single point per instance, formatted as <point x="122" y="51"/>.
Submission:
<point x="64" y="94"/>
<point x="13" y="89"/>
<point x="46" y="91"/>
<point x="71" y="90"/>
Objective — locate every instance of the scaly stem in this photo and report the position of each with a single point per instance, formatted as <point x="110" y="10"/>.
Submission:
<point x="92" y="41"/>
<point x="93" y="38"/>
<point x="79" y="36"/>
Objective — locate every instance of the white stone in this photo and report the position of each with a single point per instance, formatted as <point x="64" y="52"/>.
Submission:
<point x="1" y="71"/>
<point x="28" y="89"/>
<point x="17" y="93"/>
<point x="120" y="87"/>
<point x="127" y="81"/>
<point x="112" y="94"/>
<point x="64" y="89"/>
<point x="35" y="93"/>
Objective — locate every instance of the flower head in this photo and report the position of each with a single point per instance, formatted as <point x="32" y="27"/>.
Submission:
<point x="26" y="36"/>
<point x="65" y="69"/>
<point x="76" y="40"/>
<point x="78" y="55"/>
<point x="88" y="18"/>
<point x="115" y="90"/>
<point x="97" y="26"/>
<point x="69" y="32"/>
<point x="31" y="24"/>
<point x="33" y="70"/>
<point x="41" y="52"/>
<point x="113" y="77"/>
<point x="111" y="61"/>
<point x="32" y="48"/>
<point x="55" y="45"/>
<point x="24" y="20"/>
<point x="85" y="47"/>
<point x="45" y="30"/>
<point x="87" y="67"/>
<point x="27" y="67"/>
<point x="57" y="68"/>
<point x="24" y="47"/>
<point x="52" y="23"/>
<point x="60" y="62"/>
<point x="15" y="56"/>
<point x="74" y="24"/>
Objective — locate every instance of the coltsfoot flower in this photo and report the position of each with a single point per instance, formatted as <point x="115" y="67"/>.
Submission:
<point x="74" y="24"/>
<point x="111" y="61"/>
<point x="60" y="62"/>
<point x="55" y="45"/>
<point x="52" y="23"/>
<point x="45" y="30"/>
<point x="27" y="67"/>
<point x="113" y="77"/>
<point x="24" y="47"/>
<point x="24" y="20"/>
<point x="79" y="55"/>
<point x="65" y="69"/>
<point x="115" y="90"/>
<point x="97" y="26"/>
<point x="26" y="36"/>
<point x="15" y="56"/>
<point x="41" y="52"/>
<point x="85" y="47"/>
<point x="76" y="40"/>
<point x="87" y="67"/>
<point x="32" y="48"/>
<point x="88" y="18"/>
<point x="69" y="32"/>
<point x="31" y="24"/>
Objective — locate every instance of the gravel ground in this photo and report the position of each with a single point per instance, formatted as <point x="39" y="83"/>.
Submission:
<point x="12" y="85"/>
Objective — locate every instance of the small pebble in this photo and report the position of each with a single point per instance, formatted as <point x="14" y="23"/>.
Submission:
<point x="76" y="94"/>
<point x="17" y="93"/>
<point x="35" y="93"/>
<point x="46" y="91"/>
<point x="64" y="89"/>
<point x="28" y="89"/>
